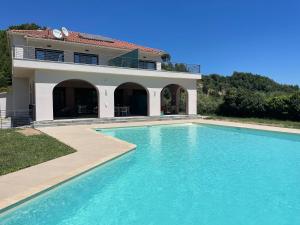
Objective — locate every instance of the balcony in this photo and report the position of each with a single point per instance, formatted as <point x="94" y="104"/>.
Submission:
<point x="128" y="60"/>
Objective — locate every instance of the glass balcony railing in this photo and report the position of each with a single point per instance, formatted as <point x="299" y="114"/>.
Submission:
<point x="62" y="56"/>
<point x="180" y="67"/>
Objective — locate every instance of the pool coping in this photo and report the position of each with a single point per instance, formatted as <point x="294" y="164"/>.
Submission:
<point x="22" y="185"/>
<point x="87" y="156"/>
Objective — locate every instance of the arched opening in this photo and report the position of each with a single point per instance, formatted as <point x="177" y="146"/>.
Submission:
<point x="173" y="100"/>
<point x="131" y="99"/>
<point x="75" y="99"/>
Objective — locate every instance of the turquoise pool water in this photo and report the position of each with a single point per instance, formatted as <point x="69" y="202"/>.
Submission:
<point x="180" y="175"/>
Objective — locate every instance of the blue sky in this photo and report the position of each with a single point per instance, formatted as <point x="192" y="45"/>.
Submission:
<point x="259" y="36"/>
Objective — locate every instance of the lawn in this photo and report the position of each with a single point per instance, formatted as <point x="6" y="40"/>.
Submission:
<point x="270" y="122"/>
<point x="18" y="151"/>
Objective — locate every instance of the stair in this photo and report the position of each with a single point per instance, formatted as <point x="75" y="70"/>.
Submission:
<point x="66" y="122"/>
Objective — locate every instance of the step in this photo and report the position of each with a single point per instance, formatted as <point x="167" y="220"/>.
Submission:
<point x="86" y="121"/>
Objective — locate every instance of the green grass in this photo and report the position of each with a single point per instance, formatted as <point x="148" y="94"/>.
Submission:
<point x="270" y="122"/>
<point x="18" y="151"/>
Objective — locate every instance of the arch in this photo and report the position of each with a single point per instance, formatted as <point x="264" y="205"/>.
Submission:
<point x="174" y="100"/>
<point x="75" y="98"/>
<point x="131" y="99"/>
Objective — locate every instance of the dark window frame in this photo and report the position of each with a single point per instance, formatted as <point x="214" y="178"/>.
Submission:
<point x="86" y="54"/>
<point x="47" y="50"/>
<point x="145" y="62"/>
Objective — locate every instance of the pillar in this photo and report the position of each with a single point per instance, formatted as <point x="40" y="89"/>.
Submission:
<point x="106" y="101"/>
<point x="44" y="101"/>
<point x="154" y="104"/>
<point x="192" y="102"/>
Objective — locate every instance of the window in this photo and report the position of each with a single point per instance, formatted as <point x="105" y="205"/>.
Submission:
<point x="147" y="65"/>
<point x="85" y="58"/>
<point x="49" y="54"/>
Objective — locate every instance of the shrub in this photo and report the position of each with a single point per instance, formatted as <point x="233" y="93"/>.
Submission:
<point x="278" y="107"/>
<point x="243" y="103"/>
<point x="208" y="105"/>
<point x="294" y="106"/>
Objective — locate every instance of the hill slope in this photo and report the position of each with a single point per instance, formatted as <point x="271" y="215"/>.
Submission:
<point x="248" y="95"/>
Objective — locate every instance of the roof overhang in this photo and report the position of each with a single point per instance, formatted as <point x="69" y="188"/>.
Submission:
<point x="70" y="43"/>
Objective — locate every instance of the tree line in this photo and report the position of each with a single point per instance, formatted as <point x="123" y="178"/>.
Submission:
<point x="248" y="95"/>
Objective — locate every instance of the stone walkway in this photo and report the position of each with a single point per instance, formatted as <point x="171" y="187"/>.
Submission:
<point x="93" y="149"/>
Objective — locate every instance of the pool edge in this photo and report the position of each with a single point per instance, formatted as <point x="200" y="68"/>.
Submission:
<point x="24" y="200"/>
<point x="9" y="206"/>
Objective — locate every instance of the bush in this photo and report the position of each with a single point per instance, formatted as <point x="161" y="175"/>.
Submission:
<point x="243" y="103"/>
<point x="294" y="106"/>
<point x="248" y="95"/>
<point x="208" y="105"/>
<point x="278" y="107"/>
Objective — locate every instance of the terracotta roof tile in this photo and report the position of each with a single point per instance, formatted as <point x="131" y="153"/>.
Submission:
<point x="76" y="38"/>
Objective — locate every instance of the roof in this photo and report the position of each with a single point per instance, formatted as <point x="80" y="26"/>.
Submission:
<point x="77" y="37"/>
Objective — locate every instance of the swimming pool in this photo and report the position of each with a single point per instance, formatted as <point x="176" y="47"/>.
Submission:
<point x="180" y="174"/>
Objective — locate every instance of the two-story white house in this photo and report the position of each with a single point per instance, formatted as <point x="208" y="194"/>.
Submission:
<point x="78" y="75"/>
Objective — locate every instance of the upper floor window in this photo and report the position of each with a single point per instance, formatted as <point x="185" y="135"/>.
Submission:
<point x="147" y="65"/>
<point x="85" y="58"/>
<point x="49" y="54"/>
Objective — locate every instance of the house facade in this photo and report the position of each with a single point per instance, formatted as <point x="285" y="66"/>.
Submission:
<point x="78" y="75"/>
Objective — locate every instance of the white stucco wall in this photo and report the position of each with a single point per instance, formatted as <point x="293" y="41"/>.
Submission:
<point x="33" y="81"/>
<point x="45" y="81"/>
<point x="20" y="93"/>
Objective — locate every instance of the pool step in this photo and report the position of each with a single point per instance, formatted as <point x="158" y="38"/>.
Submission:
<point x="65" y="122"/>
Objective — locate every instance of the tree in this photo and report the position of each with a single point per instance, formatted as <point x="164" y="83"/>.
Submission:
<point x="5" y="58"/>
<point x="26" y="26"/>
<point x="180" y="67"/>
<point x="246" y="94"/>
<point x="254" y="82"/>
<point x="208" y="105"/>
<point x="278" y="107"/>
<point x="5" y="61"/>
<point x="182" y="100"/>
<point x="238" y="102"/>
<point x="294" y="106"/>
<point x="218" y="85"/>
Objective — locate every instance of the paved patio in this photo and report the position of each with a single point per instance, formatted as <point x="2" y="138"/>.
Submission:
<point x="93" y="149"/>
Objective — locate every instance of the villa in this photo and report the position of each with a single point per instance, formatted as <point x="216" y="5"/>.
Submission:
<point x="152" y="169"/>
<point x="65" y="74"/>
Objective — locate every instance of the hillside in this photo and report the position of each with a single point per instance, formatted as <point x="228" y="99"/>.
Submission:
<point x="248" y="95"/>
<point x="218" y="85"/>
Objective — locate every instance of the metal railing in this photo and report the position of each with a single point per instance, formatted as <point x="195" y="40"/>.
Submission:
<point x="15" y="118"/>
<point x="64" y="56"/>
